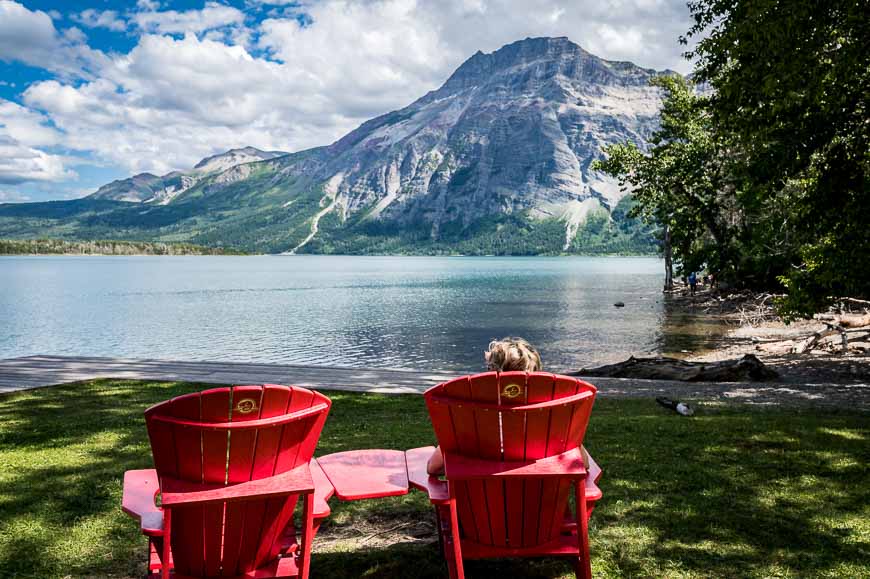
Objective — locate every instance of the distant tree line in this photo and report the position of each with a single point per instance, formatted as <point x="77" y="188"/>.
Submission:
<point x="759" y="171"/>
<point x="104" y="247"/>
<point x="601" y="233"/>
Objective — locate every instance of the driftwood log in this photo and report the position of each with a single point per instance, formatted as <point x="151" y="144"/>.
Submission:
<point x="746" y="368"/>
<point x="808" y="344"/>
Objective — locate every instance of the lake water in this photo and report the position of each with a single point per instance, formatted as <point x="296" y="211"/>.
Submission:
<point x="391" y="312"/>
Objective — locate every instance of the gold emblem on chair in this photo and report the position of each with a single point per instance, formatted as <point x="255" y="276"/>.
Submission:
<point x="246" y="406"/>
<point x="511" y="391"/>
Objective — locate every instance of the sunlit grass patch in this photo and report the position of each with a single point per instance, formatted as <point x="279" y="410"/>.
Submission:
<point x="730" y="492"/>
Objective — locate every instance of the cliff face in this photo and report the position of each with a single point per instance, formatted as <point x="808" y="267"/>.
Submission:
<point x="511" y="131"/>
<point x="507" y="139"/>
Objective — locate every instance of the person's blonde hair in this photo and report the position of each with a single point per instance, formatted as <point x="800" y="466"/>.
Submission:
<point x="512" y="354"/>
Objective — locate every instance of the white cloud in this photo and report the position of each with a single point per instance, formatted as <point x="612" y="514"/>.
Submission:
<point x="212" y="16"/>
<point x="171" y="102"/>
<point x="25" y="126"/>
<point x="24" y="35"/>
<point x="30" y="37"/>
<point x="21" y="131"/>
<point x="108" y="19"/>
<point x="19" y="164"/>
<point x="175" y="99"/>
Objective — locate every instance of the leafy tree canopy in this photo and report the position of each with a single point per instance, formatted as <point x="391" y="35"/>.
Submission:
<point x="790" y="82"/>
<point x="762" y="175"/>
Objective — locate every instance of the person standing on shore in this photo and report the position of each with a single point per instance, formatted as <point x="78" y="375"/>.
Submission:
<point x="693" y="282"/>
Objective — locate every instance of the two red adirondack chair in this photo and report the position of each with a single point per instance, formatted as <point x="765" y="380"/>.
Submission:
<point x="231" y="464"/>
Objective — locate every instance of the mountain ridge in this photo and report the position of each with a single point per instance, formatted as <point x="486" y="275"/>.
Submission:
<point x="147" y="187"/>
<point x="500" y="152"/>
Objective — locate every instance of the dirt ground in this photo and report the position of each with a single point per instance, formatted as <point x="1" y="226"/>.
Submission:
<point x="751" y="326"/>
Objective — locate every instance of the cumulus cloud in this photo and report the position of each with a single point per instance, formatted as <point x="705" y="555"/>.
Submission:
<point x="108" y="19"/>
<point x="171" y="102"/>
<point x="26" y="126"/>
<point x="30" y="37"/>
<point x="202" y="81"/>
<point x="212" y="16"/>
<point x="21" y="130"/>
<point x="19" y="164"/>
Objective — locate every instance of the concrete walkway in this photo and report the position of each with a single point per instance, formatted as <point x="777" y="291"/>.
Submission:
<point x="37" y="371"/>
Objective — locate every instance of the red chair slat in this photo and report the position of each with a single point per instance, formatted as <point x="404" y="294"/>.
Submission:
<point x="513" y="392"/>
<point x="187" y="533"/>
<point x="484" y="388"/>
<point x="246" y="406"/>
<point x="294" y="434"/>
<point x="580" y="420"/>
<point x="309" y="442"/>
<point x="554" y="493"/>
<point x="539" y="389"/>
<point x="472" y="507"/>
<point x="275" y="402"/>
<point x="162" y="441"/>
<point x="215" y="407"/>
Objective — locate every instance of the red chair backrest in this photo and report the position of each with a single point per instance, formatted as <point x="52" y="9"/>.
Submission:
<point x="203" y="437"/>
<point x="478" y="416"/>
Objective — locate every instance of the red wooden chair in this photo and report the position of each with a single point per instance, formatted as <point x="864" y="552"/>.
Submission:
<point x="230" y="466"/>
<point x="512" y="456"/>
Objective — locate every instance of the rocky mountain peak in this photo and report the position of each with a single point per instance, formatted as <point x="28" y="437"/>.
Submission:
<point x="548" y="55"/>
<point x="510" y="132"/>
<point x="233" y="157"/>
<point x="160" y="190"/>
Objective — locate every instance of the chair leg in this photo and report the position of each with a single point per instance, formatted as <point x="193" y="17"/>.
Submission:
<point x="455" y="545"/>
<point x="307" y="535"/>
<point x="167" y="533"/>
<point x="439" y="529"/>
<point x="583" y="566"/>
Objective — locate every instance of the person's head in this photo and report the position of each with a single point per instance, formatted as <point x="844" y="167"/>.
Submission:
<point x="512" y="354"/>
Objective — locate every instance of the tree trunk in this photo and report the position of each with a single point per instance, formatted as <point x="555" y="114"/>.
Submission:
<point x="669" y="261"/>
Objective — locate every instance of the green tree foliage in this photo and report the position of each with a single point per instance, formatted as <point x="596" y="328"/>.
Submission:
<point x="679" y="183"/>
<point x="517" y="234"/>
<point x="763" y="176"/>
<point x="790" y="83"/>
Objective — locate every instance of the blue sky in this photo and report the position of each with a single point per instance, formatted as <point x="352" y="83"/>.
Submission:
<point x="96" y="90"/>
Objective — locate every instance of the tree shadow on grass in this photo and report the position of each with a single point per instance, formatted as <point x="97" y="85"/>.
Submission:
<point x="734" y="493"/>
<point x="731" y="492"/>
<point x="64" y="451"/>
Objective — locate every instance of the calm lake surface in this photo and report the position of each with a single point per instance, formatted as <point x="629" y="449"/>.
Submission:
<point x="392" y="312"/>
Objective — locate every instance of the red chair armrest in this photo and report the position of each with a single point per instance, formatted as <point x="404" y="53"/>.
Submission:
<point x="323" y="490"/>
<point x="178" y="492"/>
<point x="419" y="478"/>
<point x="140" y="488"/>
<point x="568" y="464"/>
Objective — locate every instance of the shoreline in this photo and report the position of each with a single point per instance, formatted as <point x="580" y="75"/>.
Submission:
<point x="20" y="375"/>
<point x="750" y="326"/>
<point x="286" y="254"/>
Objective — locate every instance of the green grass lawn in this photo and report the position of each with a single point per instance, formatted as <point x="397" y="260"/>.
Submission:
<point x="731" y="492"/>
